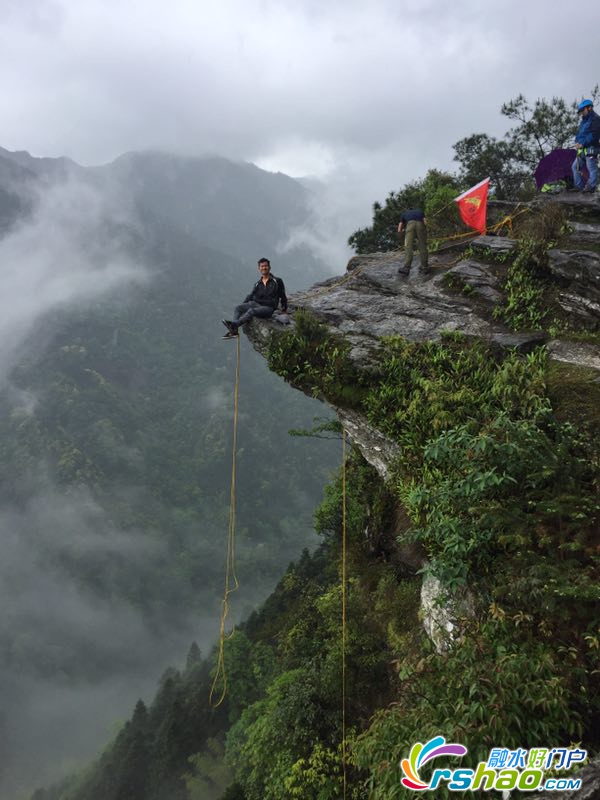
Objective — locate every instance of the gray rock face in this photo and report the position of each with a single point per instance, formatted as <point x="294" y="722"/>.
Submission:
<point x="379" y="451"/>
<point x="582" y="354"/>
<point x="583" y="206"/>
<point x="494" y="245"/>
<point x="522" y="342"/>
<point x="584" y="233"/>
<point x="576" y="266"/>
<point x="479" y="278"/>
<point x="394" y="258"/>
<point x="437" y="615"/>
<point x="441" y="610"/>
<point x="578" y="271"/>
<point x="372" y="301"/>
<point x="579" y="306"/>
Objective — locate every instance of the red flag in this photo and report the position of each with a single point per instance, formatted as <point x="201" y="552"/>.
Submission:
<point x="472" y="205"/>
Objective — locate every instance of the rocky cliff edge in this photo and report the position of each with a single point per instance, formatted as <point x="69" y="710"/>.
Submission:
<point x="460" y="292"/>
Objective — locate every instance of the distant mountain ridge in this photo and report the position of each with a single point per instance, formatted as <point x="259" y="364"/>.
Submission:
<point x="189" y="194"/>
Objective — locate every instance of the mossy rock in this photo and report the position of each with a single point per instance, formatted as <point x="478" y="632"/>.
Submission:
<point x="574" y="392"/>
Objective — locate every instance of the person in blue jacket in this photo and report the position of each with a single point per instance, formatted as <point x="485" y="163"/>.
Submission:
<point x="587" y="142"/>
<point x="263" y="300"/>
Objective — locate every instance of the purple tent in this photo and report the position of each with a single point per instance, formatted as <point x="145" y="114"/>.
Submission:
<point x="556" y="166"/>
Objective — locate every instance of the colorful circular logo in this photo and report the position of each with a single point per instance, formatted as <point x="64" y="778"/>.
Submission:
<point x="422" y="753"/>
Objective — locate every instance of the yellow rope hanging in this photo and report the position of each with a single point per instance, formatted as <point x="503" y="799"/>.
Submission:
<point x="344" y="548"/>
<point x="508" y="220"/>
<point x="231" y="581"/>
<point x="344" y="279"/>
<point x="504" y="222"/>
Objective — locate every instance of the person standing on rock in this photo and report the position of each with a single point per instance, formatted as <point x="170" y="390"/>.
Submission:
<point x="587" y="142"/>
<point x="414" y="222"/>
<point x="262" y="301"/>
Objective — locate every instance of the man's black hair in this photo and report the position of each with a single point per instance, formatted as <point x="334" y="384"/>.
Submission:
<point x="264" y="261"/>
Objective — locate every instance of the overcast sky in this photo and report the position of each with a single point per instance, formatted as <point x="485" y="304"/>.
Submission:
<point x="303" y="86"/>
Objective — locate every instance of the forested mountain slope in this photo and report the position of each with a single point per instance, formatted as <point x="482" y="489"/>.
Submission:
<point x="116" y="400"/>
<point x="472" y="542"/>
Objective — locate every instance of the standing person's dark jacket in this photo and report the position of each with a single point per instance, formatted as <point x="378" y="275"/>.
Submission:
<point x="588" y="134"/>
<point x="412" y="214"/>
<point x="269" y="294"/>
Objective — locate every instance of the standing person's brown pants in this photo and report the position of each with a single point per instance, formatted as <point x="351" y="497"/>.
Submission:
<point x="415" y="227"/>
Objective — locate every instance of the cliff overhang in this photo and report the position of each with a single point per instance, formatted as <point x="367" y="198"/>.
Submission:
<point x="465" y="286"/>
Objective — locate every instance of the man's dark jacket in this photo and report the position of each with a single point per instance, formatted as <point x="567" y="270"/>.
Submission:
<point x="269" y="294"/>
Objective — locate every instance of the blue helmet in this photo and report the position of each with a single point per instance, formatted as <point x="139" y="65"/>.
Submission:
<point x="584" y="104"/>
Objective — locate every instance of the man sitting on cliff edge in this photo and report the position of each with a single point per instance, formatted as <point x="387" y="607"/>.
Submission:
<point x="262" y="301"/>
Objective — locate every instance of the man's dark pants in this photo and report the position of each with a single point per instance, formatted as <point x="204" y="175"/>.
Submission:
<point x="245" y="311"/>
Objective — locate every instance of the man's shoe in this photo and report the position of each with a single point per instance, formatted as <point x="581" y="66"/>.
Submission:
<point x="229" y="325"/>
<point x="404" y="270"/>
<point x="231" y="335"/>
<point x="588" y="189"/>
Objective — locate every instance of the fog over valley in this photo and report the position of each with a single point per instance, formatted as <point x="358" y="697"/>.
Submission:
<point x="116" y="395"/>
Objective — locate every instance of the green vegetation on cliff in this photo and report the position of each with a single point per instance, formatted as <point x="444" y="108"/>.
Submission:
<point x="498" y="476"/>
<point x="491" y="505"/>
<point x="496" y="487"/>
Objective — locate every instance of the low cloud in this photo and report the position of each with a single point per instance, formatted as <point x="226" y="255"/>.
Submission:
<point x="74" y="655"/>
<point x="69" y="252"/>
<point x="343" y="202"/>
<point x="67" y="653"/>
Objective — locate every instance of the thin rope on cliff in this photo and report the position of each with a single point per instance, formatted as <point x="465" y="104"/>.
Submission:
<point x="344" y="614"/>
<point x="231" y="581"/>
